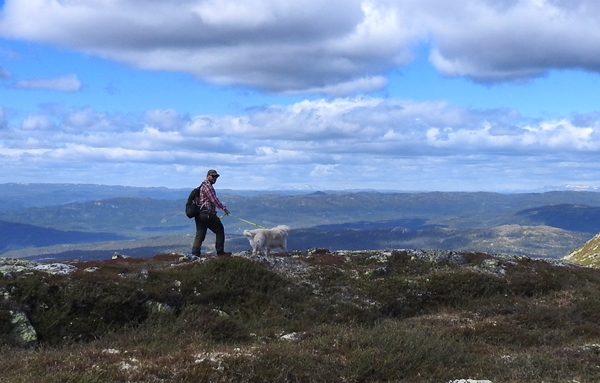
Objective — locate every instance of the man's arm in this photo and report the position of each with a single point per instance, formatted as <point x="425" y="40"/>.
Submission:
<point x="211" y="195"/>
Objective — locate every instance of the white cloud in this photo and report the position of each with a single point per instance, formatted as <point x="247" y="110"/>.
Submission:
<point x="164" y="118"/>
<point x="276" y="45"/>
<point x="493" y="41"/>
<point x="360" y="142"/>
<point x="345" y="125"/>
<point x="36" y="122"/>
<point x="324" y="170"/>
<point x="68" y="83"/>
<point x="337" y="47"/>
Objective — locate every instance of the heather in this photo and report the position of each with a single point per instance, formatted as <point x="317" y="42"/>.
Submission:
<point x="316" y="316"/>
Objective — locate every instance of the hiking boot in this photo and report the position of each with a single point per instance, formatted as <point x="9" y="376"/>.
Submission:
<point x="224" y="253"/>
<point x="191" y="257"/>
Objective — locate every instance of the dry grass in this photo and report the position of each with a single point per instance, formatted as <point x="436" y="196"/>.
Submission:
<point x="360" y="317"/>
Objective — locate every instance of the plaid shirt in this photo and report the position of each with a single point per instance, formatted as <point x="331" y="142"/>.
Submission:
<point x="208" y="198"/>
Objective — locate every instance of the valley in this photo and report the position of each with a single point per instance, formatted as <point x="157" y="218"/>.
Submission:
<point x="147" y="221"/>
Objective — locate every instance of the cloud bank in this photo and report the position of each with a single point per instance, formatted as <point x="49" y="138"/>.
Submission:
<point x="357" y="143"/>
<point x="336" y="47"/>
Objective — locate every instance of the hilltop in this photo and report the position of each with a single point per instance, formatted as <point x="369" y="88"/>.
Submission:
<point x="344" y="316"/>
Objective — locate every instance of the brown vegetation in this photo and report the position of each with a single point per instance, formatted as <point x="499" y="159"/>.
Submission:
<point x="377" y="316"/>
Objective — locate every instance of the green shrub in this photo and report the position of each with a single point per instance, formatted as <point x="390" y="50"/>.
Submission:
<point x="72" y="309"/>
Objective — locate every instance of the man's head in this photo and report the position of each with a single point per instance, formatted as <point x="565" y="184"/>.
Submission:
<point x="212" y="175"/>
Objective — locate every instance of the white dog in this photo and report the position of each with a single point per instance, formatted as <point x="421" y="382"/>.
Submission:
<point x="264" y="240"/>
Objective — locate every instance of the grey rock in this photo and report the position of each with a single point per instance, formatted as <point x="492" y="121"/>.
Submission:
<point x="23" y="331"/>
<point x="469" y="381"/>
<point x="438" y="256"/>
<point x="9" y="266"/>
<point x="55" y="268"/>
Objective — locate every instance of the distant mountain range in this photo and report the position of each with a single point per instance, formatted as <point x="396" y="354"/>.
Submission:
<point x="38" y="219"/>
<point x="581" y="218"/>
<point x="19" y="235"/>
<point x="15" y="196"/>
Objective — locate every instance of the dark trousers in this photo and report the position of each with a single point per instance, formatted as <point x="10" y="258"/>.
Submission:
<point x="214" y="224"/>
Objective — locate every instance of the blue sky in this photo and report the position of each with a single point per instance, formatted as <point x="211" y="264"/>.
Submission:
<point x="470" y="95"/>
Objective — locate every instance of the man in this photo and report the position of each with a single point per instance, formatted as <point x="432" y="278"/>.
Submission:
<point x="207" y="218"/>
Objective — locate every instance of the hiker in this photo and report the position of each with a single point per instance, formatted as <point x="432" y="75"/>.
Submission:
<point x="207" y="218"/>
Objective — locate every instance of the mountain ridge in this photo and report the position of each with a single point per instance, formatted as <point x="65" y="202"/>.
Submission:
<point x="384" y="220"/>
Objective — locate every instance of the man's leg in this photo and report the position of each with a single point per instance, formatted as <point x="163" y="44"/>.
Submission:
<point x="201" y="225"/>
<point x="216" y="226"/>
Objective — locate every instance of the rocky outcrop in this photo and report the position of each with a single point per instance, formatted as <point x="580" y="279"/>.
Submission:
<point x="9" y="266"/>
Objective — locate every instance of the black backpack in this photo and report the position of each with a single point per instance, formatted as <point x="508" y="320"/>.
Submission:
<point x="191" y="206"/>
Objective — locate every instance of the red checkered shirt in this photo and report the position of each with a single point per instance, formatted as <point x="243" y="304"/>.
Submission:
<point x="208" y="198"/>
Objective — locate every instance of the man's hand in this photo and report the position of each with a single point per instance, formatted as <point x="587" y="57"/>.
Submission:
<point x="226" y="211"/>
